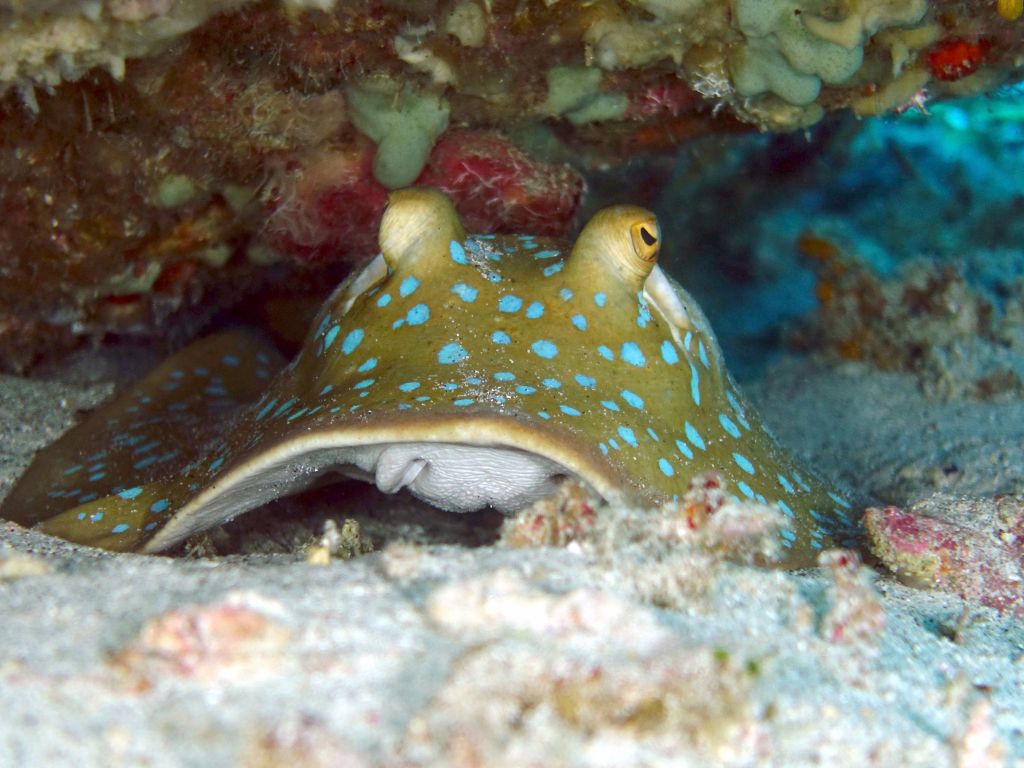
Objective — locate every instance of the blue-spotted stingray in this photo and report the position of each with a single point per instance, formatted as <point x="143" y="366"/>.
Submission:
<point x="473" y="370"/>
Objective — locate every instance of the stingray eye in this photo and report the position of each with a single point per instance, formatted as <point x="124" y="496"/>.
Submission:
<point x="646" y="239"/>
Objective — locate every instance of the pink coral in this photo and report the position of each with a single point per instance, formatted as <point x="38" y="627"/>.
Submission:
<point x="324" y="204"/>
<point x="974" y="548"/>
<point x="499" y="188"/>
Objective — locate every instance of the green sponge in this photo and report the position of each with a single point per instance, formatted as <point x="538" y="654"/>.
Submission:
<point x="783" y="56"/>
<point x="575" y="93"/>
<point x="403" y="122"/>
<point x="758" y="67"/>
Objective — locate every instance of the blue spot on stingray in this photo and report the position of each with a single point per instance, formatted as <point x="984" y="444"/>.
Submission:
<point x="544" y="348"/>
<point x="510" y="304"/>
<point x="418" y="315"/>
<point x="284" y="407"/>
<point x="745" y="489"/>
<point x="331" y="335"/>
<point x="524" y="389"/>
<point x="353" y="340"/>
<point x="668" y="352"/>
<point x="398" y="324"/>
<point x="176" y="374"/>
<point x="458" y="252"/>
<point x="465" y="292"/>
<point x="449" y="387"/>
<point x="408" y="286"/>
<point x="72" y="470"/>
<point x="504" y="376"/>
<point x="633" y="399"/>
<point x="159" y="506"/>
<point x="565" y="293"/>
<point x="729" y="426"/>
<point x="130" y="493"/>
<point x="605" y="352"/>
<point x="145" y="462"/>
<point x="600" y="298"/>
<point x="384" y="299"/>
<point x="611" y="405"/>
<point x="631" y="354"/>
<point x="452" y="353"/>
<point x="737" y="408"/>
<point x="743" y="463"/>
<point x="587" y="382"/>
<point x="423" y="399"/>
<point x="269" y="406"/>
<point x="149" y="526"/>
<point x="553" y="269"/>
<point x="613" y="444"/>
<point x="97" y="476"/>
<point x="684" y="449"/>
<point x="323" y="324"/>
<point x="694" y="384"/>
<point x="473" y="381"/>
<point x="298" y="414"/>
<point x="463" y="401"/>
<point x="369" y="365"/>
<point x="500" y="337"/>
<point x="232" y="360"/>
<point x="786" y="485"/>
<point x="544" y="414"/>
<point x="201" y="371"/>
<point x="569" y="410"/>
<point x="329" y="387"/>
<point x="653" y="434"/>
<point x="119" y="528"/>
<point x="96" y="517"/>
<point x="643" y="316"/>
<point x="363" y="384"/>
<point x="535" y="310"/>
<point x="703" y="354"/>
<point x="87" y="498"/>
<point x="693" y="436"/>
<point x="545" y="254"/>
<point x="493" y="277"/>
<point x="839" y="500"/>
<point x="217" y="464"/>
<point x="552" y="384"/>
<point x="604" y="448"/>
<point x="666" y="468"/>
<point x="785" y="508"/>
<point x="627" y="434"/>
<point x="579" y="321"/>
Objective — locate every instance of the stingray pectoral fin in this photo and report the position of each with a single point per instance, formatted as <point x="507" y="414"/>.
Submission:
<point x="151" y="431"/>
<point x="121" y="522"/>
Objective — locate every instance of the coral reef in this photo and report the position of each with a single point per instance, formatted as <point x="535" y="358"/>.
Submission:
<point x="163" y="158"/>
<point x="972" y="547"/>
<point x="926" y="320"/>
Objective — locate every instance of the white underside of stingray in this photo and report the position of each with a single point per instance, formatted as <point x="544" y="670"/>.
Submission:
<point x="450" y="476"/>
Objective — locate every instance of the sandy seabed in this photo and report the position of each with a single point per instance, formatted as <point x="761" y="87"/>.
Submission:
<point x="439" y="654"/>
